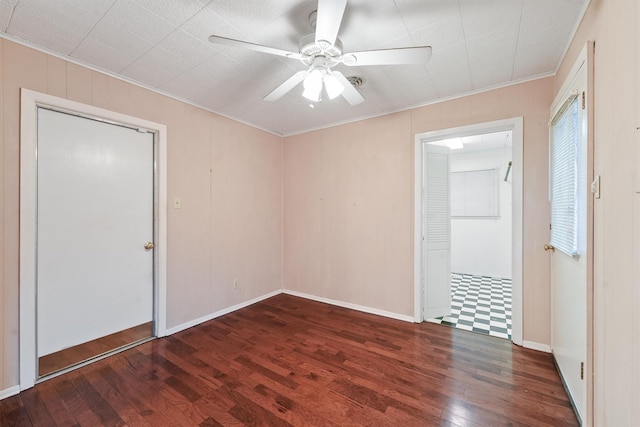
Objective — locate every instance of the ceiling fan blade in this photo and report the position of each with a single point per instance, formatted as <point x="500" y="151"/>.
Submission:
<point x="403" y="55"/>
<point x="253" y="46"/>
<point x="285" y="87"/>
<point x="328" y="19"/>
<point x="349" y="93"/>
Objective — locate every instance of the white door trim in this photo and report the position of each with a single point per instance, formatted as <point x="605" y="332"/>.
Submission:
<point x="516" y="126"/>
<point x="30" y="100"/>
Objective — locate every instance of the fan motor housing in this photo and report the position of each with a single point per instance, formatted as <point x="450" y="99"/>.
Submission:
<point x="309" y="48"/>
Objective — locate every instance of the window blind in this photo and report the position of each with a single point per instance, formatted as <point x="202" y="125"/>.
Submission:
<point x="564" y="177"/>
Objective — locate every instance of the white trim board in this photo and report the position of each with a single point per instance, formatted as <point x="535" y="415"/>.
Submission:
<point x="515" y="125"/>
<point x="124" y="79"/>
<point x="536" y="346"/>
<point x="8" y="392"/>
<point x="30" y="101"/>
<point x="222" y="312"/>
<point x="296" y="132"/>
<point x="351" y="306"/>
<point x="244" y="304"/>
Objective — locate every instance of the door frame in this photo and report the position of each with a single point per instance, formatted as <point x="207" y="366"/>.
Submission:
<point x="30" y="101"/>
<point x="515" y="125"/>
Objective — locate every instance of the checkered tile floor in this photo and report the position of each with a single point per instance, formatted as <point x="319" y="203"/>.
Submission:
<point x="480" y="304"/>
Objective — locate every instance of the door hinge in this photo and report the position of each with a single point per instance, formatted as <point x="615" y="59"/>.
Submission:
<point x="581" y="370"/>
<point x="584" y="100"/>
<point x="595" y="187"/>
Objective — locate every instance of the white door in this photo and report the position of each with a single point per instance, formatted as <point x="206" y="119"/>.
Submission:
<point x="568" y="244"/>
<point x="95" y="209"/>
<point x="436" y="246"/>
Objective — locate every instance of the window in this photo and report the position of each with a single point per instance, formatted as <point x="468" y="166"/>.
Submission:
<point x="564" y="177"/>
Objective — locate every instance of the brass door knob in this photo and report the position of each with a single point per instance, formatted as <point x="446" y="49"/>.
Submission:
<point x="149" y="245"/>
<point x="549" y="248"/>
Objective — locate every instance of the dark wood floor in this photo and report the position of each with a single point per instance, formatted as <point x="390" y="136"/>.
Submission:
<point x="289" y="361"/>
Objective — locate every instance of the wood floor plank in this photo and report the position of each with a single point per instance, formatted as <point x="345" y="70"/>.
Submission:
<point x="143" y="378"/>
<point x="288" y="361"/>
<point x="134" y="403"/>
<point x="36" y="408"/>
<point x="13" y="413"/>
<point x="59" y="411"/>
<point x="100" y="406"/>
<point x="126" y="409"/>
<point x="73" y="401"/>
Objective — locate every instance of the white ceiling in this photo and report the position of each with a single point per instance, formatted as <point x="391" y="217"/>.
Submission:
<point x="162" y="44"/>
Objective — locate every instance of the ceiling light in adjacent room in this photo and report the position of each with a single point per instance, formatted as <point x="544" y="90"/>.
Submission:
<point x="452" y="143"/>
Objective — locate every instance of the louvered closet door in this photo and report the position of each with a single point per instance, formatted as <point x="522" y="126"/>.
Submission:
<point x="436" y="247"/>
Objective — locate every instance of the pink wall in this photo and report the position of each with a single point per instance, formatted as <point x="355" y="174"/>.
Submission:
<point x="348" y="196"/>
<point x="228" y="176"/>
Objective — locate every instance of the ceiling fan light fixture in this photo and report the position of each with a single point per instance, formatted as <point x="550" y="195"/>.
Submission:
<point x="313" y="86"/>
<point x="332" y="86"/>
<point x="322" y="50"/>
<point x="311" y="95"/>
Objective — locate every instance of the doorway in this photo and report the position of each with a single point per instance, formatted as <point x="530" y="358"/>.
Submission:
<point x="422" y="292"/>
<point x="92" y="184"/>
<point x="481" y="206"/>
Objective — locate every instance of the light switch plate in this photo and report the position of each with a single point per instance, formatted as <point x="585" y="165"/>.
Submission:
<point x="177" y="204"/>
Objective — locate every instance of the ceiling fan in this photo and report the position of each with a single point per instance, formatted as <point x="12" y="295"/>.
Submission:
<point x="322" y="51"/>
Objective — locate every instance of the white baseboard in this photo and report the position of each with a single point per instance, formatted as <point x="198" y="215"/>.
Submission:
<point x="8" y="392"/>
<point x="357" y="307"/>
<point x="536" y="346"/>
<point x="222" y="312"/>
<point x="228" y="310"/>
